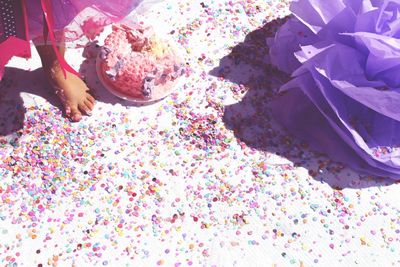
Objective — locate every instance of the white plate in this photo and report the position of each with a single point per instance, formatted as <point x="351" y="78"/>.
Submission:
<point x="159" y="92"/>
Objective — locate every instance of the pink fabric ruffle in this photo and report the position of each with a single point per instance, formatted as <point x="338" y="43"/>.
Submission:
<point x="69" y="20"/>
<point x="78" y="18"/>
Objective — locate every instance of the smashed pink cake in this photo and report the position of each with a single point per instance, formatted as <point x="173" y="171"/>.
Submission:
<point x="134" y="64"/>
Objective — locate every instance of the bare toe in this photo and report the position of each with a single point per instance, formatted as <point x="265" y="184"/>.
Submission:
<point x="75" y="114"/>
<point x="85" y="109"/>
<point x="68" y="110"/>
<point x="91" y="98"/>
<point x="89" y="104"/>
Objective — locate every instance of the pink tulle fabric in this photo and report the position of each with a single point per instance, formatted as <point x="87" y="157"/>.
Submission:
<point x="71" y="20"/>
<point x="78" y="18"/>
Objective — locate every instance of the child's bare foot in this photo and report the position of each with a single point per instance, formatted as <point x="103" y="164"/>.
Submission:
<point x="73" y="92"/>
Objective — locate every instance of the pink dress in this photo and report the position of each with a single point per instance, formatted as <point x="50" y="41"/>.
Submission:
<point x="69" y="20"/>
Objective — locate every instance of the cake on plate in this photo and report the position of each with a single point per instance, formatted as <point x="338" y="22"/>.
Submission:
<point x="135" y="65"/>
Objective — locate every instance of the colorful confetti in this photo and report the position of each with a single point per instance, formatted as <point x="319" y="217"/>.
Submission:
<point x="205" y="177"/>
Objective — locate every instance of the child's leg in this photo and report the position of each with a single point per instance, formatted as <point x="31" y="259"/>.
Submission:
<point x="72" y="91"/>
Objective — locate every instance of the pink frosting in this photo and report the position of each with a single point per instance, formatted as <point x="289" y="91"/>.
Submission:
<point x="132" y="60"/>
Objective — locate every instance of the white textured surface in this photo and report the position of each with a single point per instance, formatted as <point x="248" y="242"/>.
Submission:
<point x="66" y="189"/>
